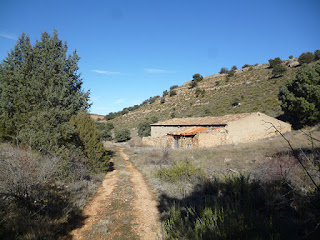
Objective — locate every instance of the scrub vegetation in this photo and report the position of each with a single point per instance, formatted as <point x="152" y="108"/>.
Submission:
<point x="258" y="190"/>
<point x="51" y="152"/>
<point x="254" y="87"/>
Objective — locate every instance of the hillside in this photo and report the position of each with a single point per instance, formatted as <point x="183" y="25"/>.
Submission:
<point x="251" y="89"/>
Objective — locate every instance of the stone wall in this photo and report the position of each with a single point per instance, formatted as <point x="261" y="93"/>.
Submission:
<point x="253" y="127"/>
<point x="164" y="141"/>
<point x="211" y="138"/>
<point x="186" y="142"/>
<point x="159" y="131"/>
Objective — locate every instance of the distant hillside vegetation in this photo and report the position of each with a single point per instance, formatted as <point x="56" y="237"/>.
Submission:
<point x="250" y="89"/>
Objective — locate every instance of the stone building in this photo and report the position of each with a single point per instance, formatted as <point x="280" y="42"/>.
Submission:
<point x="213" y="131"/>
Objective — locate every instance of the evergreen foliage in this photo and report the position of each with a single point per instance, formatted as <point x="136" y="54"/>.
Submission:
<point x="90" y="141"/>
<point x="246" y="65"/>
<point x="232" y="71"/>
<point x="224" y="70"/>
<point x="275" y="62"/>
<point x="40" y="91"/>
<point x="197" y="77"/>
<point x="317" y="55"/>
<point x="193" y="84"/>
<point x="278" y="70"/>
<point x="173" y="87"/>
<point x="144" y="128"/>
<point x="301" y="96"/>
<point x="122" y="135"/>
<point x="306" y="57"/>
<point x="172" y="93"/>
<point x="105" y="130"/>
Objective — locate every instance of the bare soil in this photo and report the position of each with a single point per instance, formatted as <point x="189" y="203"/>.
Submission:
<point x="123" y="207"/>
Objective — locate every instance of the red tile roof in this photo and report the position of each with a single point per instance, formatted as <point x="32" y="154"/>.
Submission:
<point x="187" y="131"/>
<point x="202" y="121"/>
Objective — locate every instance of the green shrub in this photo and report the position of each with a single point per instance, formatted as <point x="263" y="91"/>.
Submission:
<point x="278" y="70"/>
<point x="181" y="170"/>
<point x="274" y="62"/>
<point x="300" y="96"/>
<point x="290" y="57"/>
<point x="173" y="87"/>
<point x="106" y="135"/>
<point x="90" y="140"/>
<point x="105" y="130"/>
<point x="246" y="65"/>
<point x="235" y="102"/>
<point x="199" y="92"/>
<point x="122" y="135"/>
<point x="163" y="100"/>
<point x="317" y="55"/>
<point x="193" y="84"/>
<point x="165" y="93"/>
<point x="197" y="77"/>
<point x="306" y="57"/>
<point x="235" y="208"/>
<point x="172" y="93"/>
<point x="224" y="70"/>
<point x="144" y="129"/>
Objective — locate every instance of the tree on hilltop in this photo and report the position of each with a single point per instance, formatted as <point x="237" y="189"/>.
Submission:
<point x="275" y="62"/>
<point x="306" y="57"/>
<point x="197" y="77"/>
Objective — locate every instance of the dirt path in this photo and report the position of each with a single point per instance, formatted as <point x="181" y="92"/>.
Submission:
<point x="144" y="205"/>
<point x="123" y="208"/>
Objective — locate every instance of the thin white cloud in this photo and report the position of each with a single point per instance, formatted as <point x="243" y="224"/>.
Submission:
<point x="8" y="36"/>
<point x="156" y="70"/>
<point x="120" y="101"/>
<point x="105" y="72"/>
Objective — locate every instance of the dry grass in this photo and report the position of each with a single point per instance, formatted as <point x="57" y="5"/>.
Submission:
<point x="260" y="159"/>
<point x="262" y="183"/>
<point x="35" y="201"/>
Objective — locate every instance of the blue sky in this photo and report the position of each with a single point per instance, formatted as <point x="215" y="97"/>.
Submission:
<point x="131" y="50"/>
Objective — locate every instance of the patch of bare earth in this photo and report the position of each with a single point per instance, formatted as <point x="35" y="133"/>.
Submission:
<point x="123" y="208"/>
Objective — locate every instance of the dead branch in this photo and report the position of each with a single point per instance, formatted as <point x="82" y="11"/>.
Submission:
<point x="295" y="155"/>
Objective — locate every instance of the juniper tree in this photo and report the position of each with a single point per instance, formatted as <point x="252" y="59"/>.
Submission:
<point x="197" y="77"/>
<point x="300" y="96"/>
<point x="306" y="57"/>
<point x="40" y="91"/>
<point x="90" y="141"/>
<point x="275" y="62"/>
